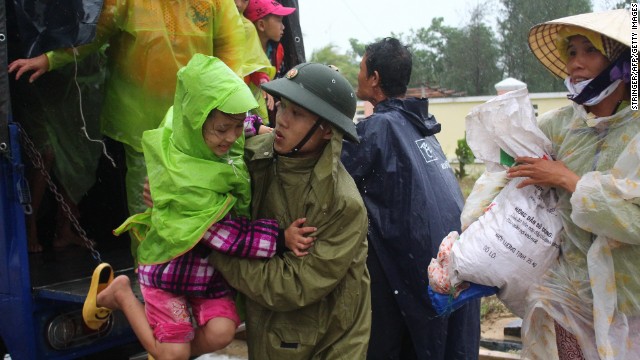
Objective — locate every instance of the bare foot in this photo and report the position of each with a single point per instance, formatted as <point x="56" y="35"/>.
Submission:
<point x="67" y="237"/>
<point x="116" y="293"/>
<point x="33" y="244"/>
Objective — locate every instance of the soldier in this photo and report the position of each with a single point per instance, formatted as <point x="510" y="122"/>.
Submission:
<point x="317" y="306"/>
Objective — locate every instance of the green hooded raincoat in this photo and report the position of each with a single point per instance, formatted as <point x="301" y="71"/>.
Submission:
<point x="192" y="187"/>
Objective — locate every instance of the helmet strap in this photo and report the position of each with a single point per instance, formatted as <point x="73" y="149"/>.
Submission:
<point x="306" y="138"/>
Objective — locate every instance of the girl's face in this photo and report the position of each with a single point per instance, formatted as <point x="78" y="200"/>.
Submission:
<point x="272" y="27"/>
<point x="241" y="5"/>
<point x="585" y="61"/>
<point x="221" y="130"/>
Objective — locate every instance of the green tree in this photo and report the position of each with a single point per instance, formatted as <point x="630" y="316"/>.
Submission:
<point x="428" y="46"/>
<point x="471" y="56"/>
<point x="421" y="44"/>
<point x="441" y="55"/>
<point x="346" y="63"/>
<point x="519" y="17"/>
<point x="357" y="48"/>
<point x="622" y="4"/>
<point x="465" y="157"/>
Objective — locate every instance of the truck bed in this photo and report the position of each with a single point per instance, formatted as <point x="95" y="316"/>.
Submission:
<point x="66" y="274"/>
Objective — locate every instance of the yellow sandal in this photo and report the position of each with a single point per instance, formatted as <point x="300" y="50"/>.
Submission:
<point x="94" y="316"/>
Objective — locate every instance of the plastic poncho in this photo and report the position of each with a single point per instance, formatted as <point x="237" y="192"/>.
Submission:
<point x="255" y="60"/>
<point x="192" y="187"/>
<point x="316" y="306"/>
<point x="149" y="40"/>
<point x="594" y="290"/>
<point x="49" y="111"/>
<point x="414" y="201"/>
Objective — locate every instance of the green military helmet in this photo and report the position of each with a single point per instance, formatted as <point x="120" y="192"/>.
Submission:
<point x="322" y="90"/>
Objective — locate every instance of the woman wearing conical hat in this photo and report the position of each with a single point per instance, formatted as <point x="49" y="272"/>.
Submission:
<point x="588" y="304"/>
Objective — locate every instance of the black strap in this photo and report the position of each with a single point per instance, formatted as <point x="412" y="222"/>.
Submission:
<point x="600" y="82"/>
<point x="305" y="138"/>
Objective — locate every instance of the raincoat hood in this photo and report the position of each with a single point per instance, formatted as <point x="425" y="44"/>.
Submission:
<point x="192" y="187"/>
<point x="255" y="59"/>
<point x="416" y="111"/>
<point x="206" y="83"/>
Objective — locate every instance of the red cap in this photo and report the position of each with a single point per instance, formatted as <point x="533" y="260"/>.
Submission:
<point x="257" y="9"/>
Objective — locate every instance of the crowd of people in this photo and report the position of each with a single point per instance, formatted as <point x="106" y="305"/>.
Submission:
<point x="321" y="230"/>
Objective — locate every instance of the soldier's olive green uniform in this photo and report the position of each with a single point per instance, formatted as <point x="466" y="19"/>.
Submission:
<point x="316" y="306"/>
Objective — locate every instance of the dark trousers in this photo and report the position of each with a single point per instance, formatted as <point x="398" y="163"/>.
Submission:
<point x="417" y="336"/>
<point x="390" y="338"/>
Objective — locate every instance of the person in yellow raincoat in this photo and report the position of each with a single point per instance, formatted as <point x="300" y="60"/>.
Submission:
<point x="587" y="305"/>
<point x="256" y="67"/>
<point x="149" y="40"/>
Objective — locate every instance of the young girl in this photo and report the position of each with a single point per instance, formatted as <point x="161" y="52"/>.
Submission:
<point x="201" y="195"/>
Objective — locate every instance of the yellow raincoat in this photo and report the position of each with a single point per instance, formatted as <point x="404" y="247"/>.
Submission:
<point x="255" y="60"/>
<point x="149" y="40"/>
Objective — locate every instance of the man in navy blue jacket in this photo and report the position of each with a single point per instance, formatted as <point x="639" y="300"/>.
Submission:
<point x="413" y="201"/>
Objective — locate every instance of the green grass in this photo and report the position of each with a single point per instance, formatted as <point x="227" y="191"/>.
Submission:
<point x="491" y="305"/>
<point x="466" y="184"/>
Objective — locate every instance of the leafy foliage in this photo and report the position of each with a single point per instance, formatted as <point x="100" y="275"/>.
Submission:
<point x="519" y="17"/>
<point x="441" y="56"/>
<point x="623" y="4"/>
<point x="492" y="306"/>
<point x="428" y="46"/>
<point x="475" y="41"/>
<point x="346" y="63"/>
<point x="465" y="157"/>
<point x="473" y="58"/>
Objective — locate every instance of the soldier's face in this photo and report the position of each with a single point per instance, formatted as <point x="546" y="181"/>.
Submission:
<point x="293" y="122"/>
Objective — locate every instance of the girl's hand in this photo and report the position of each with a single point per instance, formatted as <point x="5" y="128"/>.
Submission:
<point x="544" y="172"/>
<point x="264" y="130"/>
<point x="295" y="237"/>
<point x="270" y="101"/>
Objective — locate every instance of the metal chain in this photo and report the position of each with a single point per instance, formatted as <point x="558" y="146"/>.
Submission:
<point x="36" y="159"/>
<point x="22" y="187"/>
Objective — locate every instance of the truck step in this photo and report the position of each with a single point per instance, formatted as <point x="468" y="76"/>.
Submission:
<point x="75" y="291"/>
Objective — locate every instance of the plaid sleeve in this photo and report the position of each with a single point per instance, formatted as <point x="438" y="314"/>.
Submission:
<point x="243" y="237"/>
<point x="252" y="125"/>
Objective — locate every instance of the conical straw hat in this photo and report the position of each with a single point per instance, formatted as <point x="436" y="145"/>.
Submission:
<point x="614" y="24"/>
